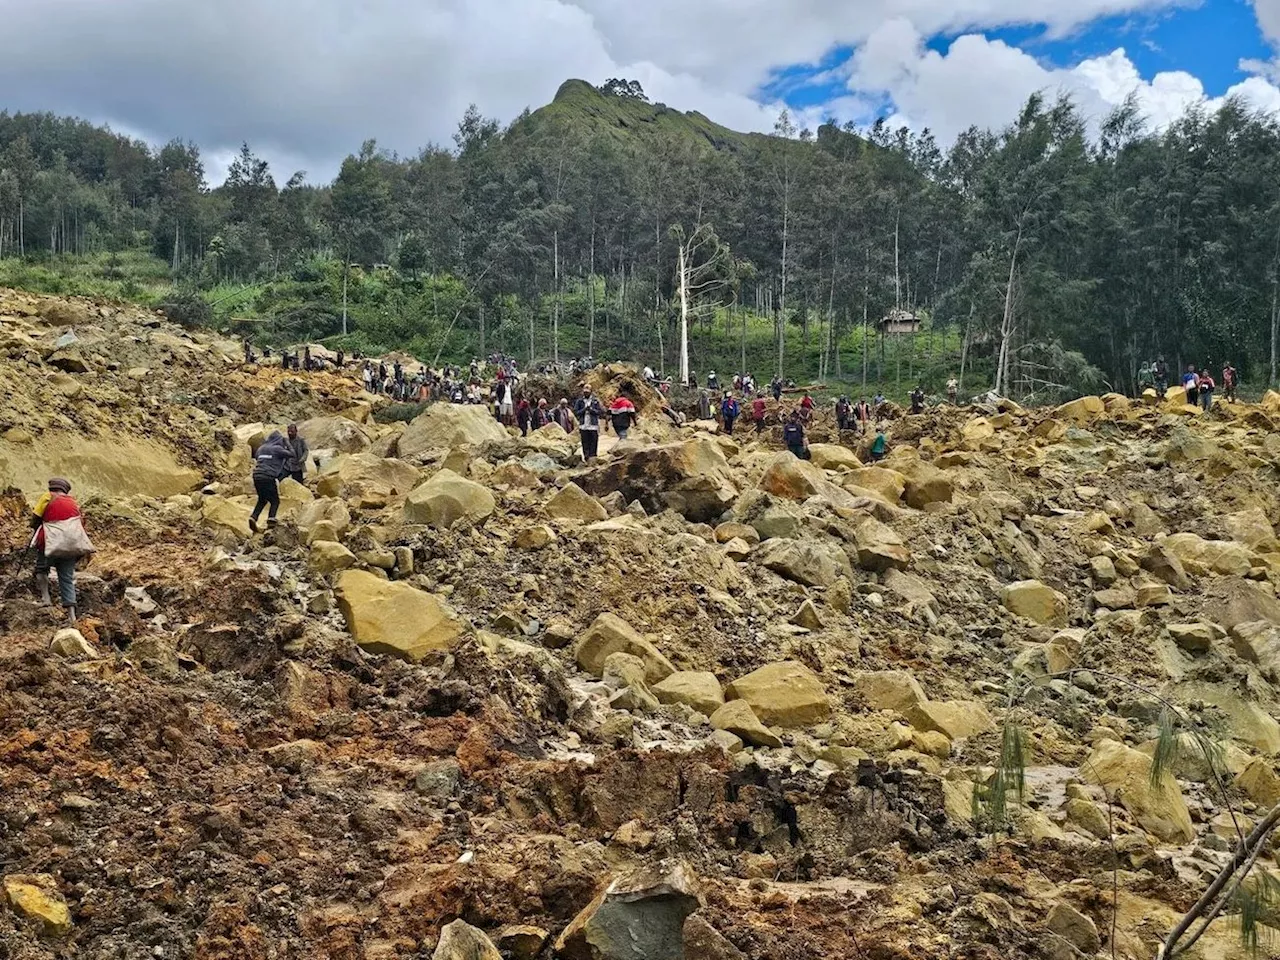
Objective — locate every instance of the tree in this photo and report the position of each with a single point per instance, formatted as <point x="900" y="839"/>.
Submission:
<point x="703" y="263"/>
<point x="358" y="203"/>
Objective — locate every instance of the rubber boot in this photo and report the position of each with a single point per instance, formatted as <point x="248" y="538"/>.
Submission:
<point x="42" y="584"/>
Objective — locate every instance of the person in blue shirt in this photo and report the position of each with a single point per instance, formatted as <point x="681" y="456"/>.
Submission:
<point x="794" y="438"/>
<point x="729" y="411"/>
<point x="1191" y="384"/>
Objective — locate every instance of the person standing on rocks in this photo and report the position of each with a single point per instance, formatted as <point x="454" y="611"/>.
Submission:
<point x="844" y="414"/>
<point x="794" y="438"/>
<point x="704" y="405"/>
<point x="862" y="413"/>
<point x="60" y="542"/>
<point x="1160" y="371"/>
<point x="524" y="414"/>
<point x="1229" y="380"/>
<point x="589" y="413"/>
<point x="953" y="390"/>
<point x="271" y="464"/>
<point x="1191" y="384"/>
<point x="758" y="411"/>
<point x="880" y="446"/>
<point x="622" y="414"/>
<point x="917" y="399"/>
<point x="299" y="451"/>
<point x="540" y="415"/>
<point x="729" y="411"/>
<point x="776" y="385"/>
<point x="806" y="407"/>
<point x="564" y="416"/>
<point x="1206" y="387"/>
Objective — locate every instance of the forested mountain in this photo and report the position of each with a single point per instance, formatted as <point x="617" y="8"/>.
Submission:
<point x="1059" y="256"/>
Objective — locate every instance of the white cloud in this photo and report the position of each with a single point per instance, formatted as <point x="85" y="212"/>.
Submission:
<point x="305" y="81"/>
<point x="984" y="82"/>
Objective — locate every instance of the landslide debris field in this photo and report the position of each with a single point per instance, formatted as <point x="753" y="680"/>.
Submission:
<point x="698" y="699"/>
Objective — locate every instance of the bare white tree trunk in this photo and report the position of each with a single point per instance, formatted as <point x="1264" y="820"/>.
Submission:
<point x="682" y="268"/>
<point x="1006" y="323"/>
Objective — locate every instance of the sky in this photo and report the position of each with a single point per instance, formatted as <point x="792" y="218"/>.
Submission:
<point x="305" y="82"/>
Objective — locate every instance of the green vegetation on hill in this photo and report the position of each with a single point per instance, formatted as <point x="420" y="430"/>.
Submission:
<point x="1044" y="259"/>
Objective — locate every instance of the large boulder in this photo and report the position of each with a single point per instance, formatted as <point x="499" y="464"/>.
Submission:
<point x="879" y="548"/>
<point x="573" y="503"/>
<point x="811" y="562"/>
<point x="894" y="690"/>
<point x="696" y="689"/>
<point x="1260" y="783"/>
<point x="1081" y="411"/>
<point x="890" y="484"/>
<point x="395" y="618"/>
<point x="327" y="557"/>
<point x="1156" y="804"/>
<point x="1252" y="528"/>
<point x="1199" y="556"/>
<point x="447" y="499"/>
<point x="446" y="425"/>
<point x="367" y="481"/>
<point x="328" y="510"/>
<point x="693" y="478"/>
<point x="791" y="478"/>
<point x="640" y="915"/>
<point x="955" y="719"/>
<point x="334" y="433"/>
<point x="786" y="694"/>
<point x="1035" y="601"/>
<point x="926" y="484"/>
<point x="738" y="718"/>
<point x="611" y="634"/>
<point x="832" y="456"/>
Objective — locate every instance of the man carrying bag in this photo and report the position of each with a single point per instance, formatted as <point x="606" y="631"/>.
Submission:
<point x="60" y="541"/>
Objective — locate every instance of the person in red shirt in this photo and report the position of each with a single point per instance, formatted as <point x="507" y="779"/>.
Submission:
<point x="57" y="504"/>
<point x="758" y="409"/>
<point x="1229" y="377"/>
<point x="806" y="407"/>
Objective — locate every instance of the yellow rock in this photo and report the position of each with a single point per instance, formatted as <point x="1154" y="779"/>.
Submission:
<point x="395" y="618"/>
<point x="1159" y="809"/>
<point x="890" y="484"/>
<point x="737" y="718"/>
<point x="1082" y="410"/>
<point x="889" y="690"/>
<point x="1035" y="601"/>
<point x="572" y="503"/>
<point x="955" y="719"/>
<point x="328" y="557"/>
<point x="792" y="478"/>
<point x="786" y="694"/>
<point x="223" y="514"/>
<point x="446" y="425"/>
<point x="1260" y="783"/>
<point x="832" y="456"/>
<point x="611" y="634"/>
<point x="447" y="499"/>
<point x="36" y="896"/>
<point x="696" y="689"/>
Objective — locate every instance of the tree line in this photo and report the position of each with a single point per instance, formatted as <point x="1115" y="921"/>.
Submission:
<point x="1060" y="257"/>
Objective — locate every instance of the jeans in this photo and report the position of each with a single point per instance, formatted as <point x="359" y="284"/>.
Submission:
<point x="66" y="569"/>
<point x="728" y="426"/>
<point x="590" y="443"/>
<point x="1206" y="399"/>
<point x="268" y="495"/>
<point x="622" y="434"/>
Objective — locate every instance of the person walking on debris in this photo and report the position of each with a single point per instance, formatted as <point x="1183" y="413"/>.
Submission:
<point x="879" y="446"/>
<point x="298" y="453"/>
<point x="523" y="416"/>
<point x="564" y="416"/>
<point x="1206" y="386"/>
<point x="1160" y="371"/>
<point x="506" y="405"/>
<point x="271" y="464"/>
<point x="794" y="438"/>
<point x="729" y="411"/>
<point x="713" y="382"/>
<point x="806" y="407"/>
<point x="589" y="411"/>
<point x="1145" y="379"/>
<point x="862" y="413"/>
<point x="1191" y="384"/>
<point x="540" y="416"/>
<point x="622" y="414"/>
<point x="917" y="399"/>
<point x="776" y="386"/>
<point x="953" y="390"/>
<point x="704" y="405"/>
<point x="1229" y="379"/>
<point x="844" y="414"/>
<point x="60" y="541"/>
<point x="758" y="411"/>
